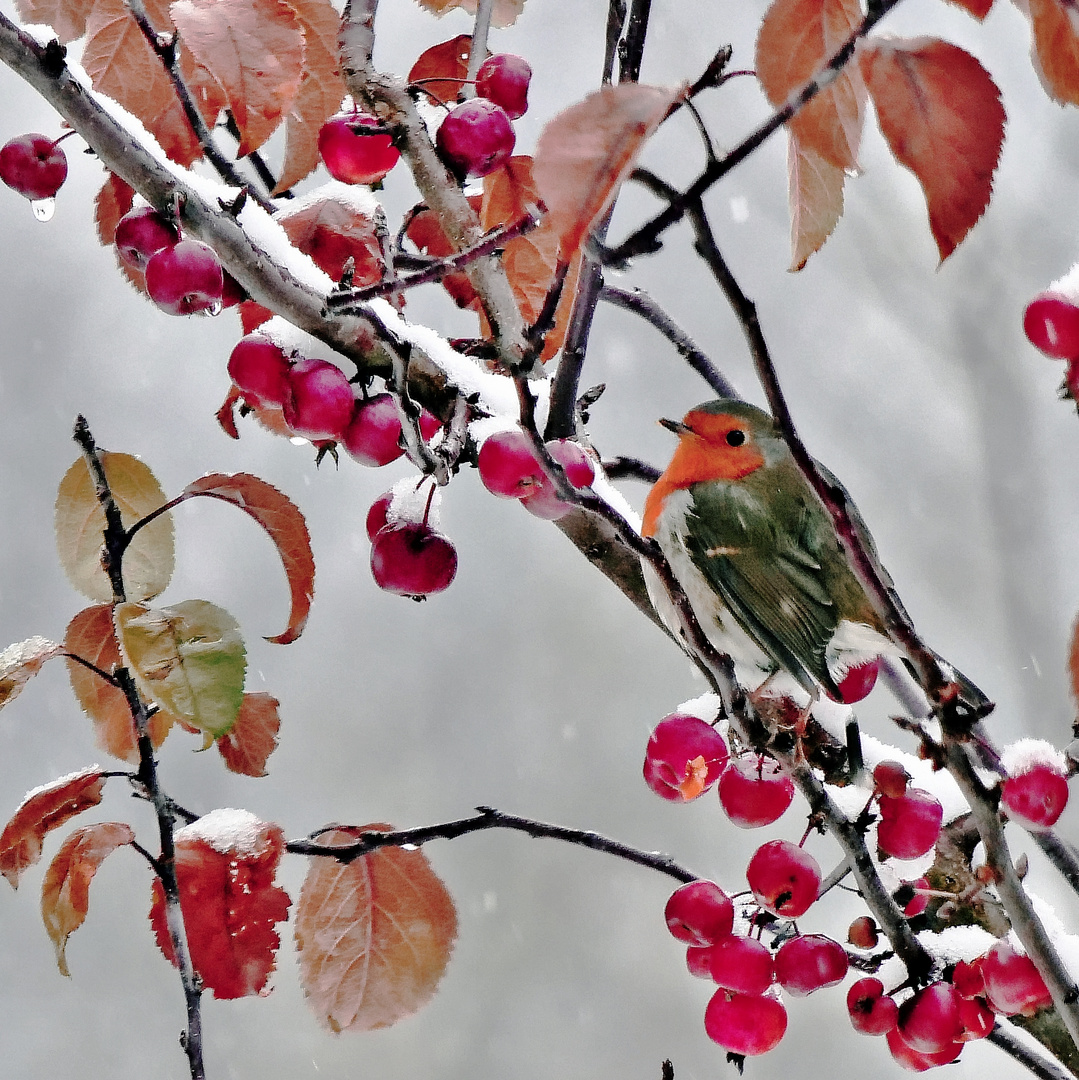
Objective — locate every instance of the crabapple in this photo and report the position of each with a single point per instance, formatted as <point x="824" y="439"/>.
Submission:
<point x="913" y="897"/>
<point x="699" y="961"/>
<point x="475" y="138"/>
<point x="1051" y="323"/>
<point x="33" y="165"/>
<point x="930" y="1021"/>
<point x="684" y="757"/>
<point x="741" y="963"/>
<point x="968" y="979"/>
<point x="378" y="516"/>
<point x="412" y="560"/>
<point x="186" y="278"/>
<point x="1037" y="797"/>
<point x="890" y="778"/>
<point x="1012" y="982"/>
<point x="543" y="500"/>
<point x="508" y="465"/>
<point x="319" y="401"/>
<point x="503" y="79"/>
<point x="809" y="962"/>
<point x="977" y="1018"/>
<point x="747" y="1024"/>
<point x="871" y="1011"/>
<point x="909" y="825"/>
<point x="259" y="369"/>
<point x="373" y="435"/>
<point x="910" y="1058"/>
<point x="863" y="933"/>
<point x="699" y="913"/>
<point x="352" y="156"/>
<point x="141" y="233"/>
<point x="784" y="878"/>
<point x="755" y="791"/>
<point x="858" y="681"/>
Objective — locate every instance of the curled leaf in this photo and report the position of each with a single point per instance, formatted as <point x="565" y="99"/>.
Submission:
<point x="21" y="661"/>
<point x="443" y="68"/>
<point x="253" y="738"/>
<point x="1054" y="26"/>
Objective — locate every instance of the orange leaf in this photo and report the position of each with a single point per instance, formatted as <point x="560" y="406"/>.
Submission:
<point x="331" y="230"/>
<point x="92" y="635"/>
<point x="321" y="89"/>
<point x="42" y="810"/>
<point x="447" y="64"/>
<point x="65" y="892"/>
<point x="114" y="200"/>
<point x="816" y="199"/>
<point x="252" y="315"/>
<point x="20" y="662"/>
<point x="503" y="13"/>
<point x="253" y="738"/>
<point x="225" y="865"/>
<point x="978" y="8"/>
<point x="796" y="39"/>
<point x="254" y="50"/>
<point x="586" y="151"/>
<point x="66" y="17"/>
<point x="374" y="936"/>
<point x="1055" y="48"/>
<point x="941" y="115"/>
<point x="281" y="518"/>
<point x="1073" y="661"/>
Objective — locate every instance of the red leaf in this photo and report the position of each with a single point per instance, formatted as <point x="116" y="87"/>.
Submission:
<point x="20" y="662"/>
<point x="374" y="936"/>
<point x="940" y="113"/>
<point x="225" y="865"/>
<point x="253" y="738"/>
<point x="65" y="892"/>
<point x="254" y="50"/>
<point x="978" y="8"/>
<point x="1054" y="27"/>
<point x="253" y="315"/>
<point x="66" y="17"/>
<point x="586" y="151"/>
<point x="447" y="63"/>
<point x="114" y="200"/>
<point x="425" y="231"/>
<point x="795" y="41"/>
<point x="331" y="231"/>
<point x="816" y="199"/>
<point x="42" y="810"/>
<point x="280" y="517"/>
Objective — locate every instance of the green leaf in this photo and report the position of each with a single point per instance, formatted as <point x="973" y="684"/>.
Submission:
<point x="189" y="659"/>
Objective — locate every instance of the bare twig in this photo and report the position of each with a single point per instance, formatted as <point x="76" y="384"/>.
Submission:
<point x="1027" y="1056"/>
<point x="630" y="468"/>
<point x="477" y="52"/>
<point x="262" y="170"/>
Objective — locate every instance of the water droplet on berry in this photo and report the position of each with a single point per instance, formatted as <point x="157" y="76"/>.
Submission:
<point x="43" y="208"/>
<point x="215" y="308"/>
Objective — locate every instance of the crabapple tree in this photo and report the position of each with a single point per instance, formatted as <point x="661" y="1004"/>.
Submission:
<point x="428" y="237"/>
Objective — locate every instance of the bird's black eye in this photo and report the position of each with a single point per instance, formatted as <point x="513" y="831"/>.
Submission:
<point x="736" y="437"/>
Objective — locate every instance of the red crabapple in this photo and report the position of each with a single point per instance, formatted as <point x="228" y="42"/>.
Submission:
<point x="259" y="369"/>
<point x="699" y="913"/>
<point x="413" y="560"/>
<point x="1037" y="797"/>
<point x="978" y="1019"/>
<point x="784" y="878"/>
<point x="475" y="138"/>
<point x="858" y="681"/>
<point x="373" y="435"/>
<point x="871" y="1011"/>
<point x="754" y="791"/>
<point x="351" y="156"/>
<point x="684" y="757"/>
<point x="808" y="962"/>
<point x="543" y="501"/>
<point x="913" y="896"/>
<point x="1051" y="323"/>
<point x="503" y="79"/>
<point x="930" y="1021"/>
<point x="507" y="464"/>
<point x="968" y="980"/>
<point x="141" y="233"/>
<point x="909" y="825"/>
<point x="699" y="961"/>
<point x="378" y="515"/>
<point x="186" y="278"/>
<point x="319" y="400"/>
<point x="891" y="779"/>
<point x="863" y="933"/>
<point x="33" y="165"/>
<point x="911" y="1059"/>
<point x="741" y="963"/>
<point x="1012" y="982"/>
<point x="747" y="1024"/>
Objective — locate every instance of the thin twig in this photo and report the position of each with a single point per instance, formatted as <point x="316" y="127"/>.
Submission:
<point x="262" y="170"/>
<point x="616" y="20"/>
<point x="477" y="52"/>
<point x="1027" y="1056"/>
<point x="630" y="468"/>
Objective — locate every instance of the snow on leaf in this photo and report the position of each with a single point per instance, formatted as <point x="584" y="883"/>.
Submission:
<point x="320" y="93"/>
<point x="504" y="13"/>
<point x="816" y="199"/>
<point x="281" y="518"/>
<point x="374" y="936"/>
<point x="65" y="892"/>
<point x="254" y="49"/>
<point x="42" y="810"/>
<point x="21" y="661"/>
<point x="1054" y="48"/>
<point x="447" y="64"/>
<point x="253" y="738"/>
<point x="66" y="17"/>
<point x="796" y="39"/>
<point x="91" y="635"/>
<point x="188" y="658"/>
<point x="80" y="527"/>
<point x="331" y="230"/>
<point x="941" y="115"/>
<point x="225" y="864"/>
<point x="585" y="152"/>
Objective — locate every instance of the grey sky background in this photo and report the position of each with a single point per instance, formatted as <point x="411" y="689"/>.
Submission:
<point x="531" y="685"/>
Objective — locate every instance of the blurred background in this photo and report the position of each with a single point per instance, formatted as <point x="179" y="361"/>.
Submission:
<point x="531" y="685"/>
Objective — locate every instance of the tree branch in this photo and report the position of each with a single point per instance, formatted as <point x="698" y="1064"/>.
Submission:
<point x="1042" y="1067"/>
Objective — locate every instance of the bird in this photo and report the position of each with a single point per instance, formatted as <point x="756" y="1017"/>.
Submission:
<point x="758" y="557"/>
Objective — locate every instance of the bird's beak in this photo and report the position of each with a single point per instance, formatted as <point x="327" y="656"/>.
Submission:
<point x="674" y="425"/>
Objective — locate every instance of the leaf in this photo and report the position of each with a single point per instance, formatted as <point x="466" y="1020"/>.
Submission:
<point x="254" y="50"/>
<point x="425" y="231"/>
<point x="92" y="636"/>
<point x="282" y="519"/>
<point x="1073" y="661"/>
<point x="321" y="89"/>
<point x="816" y="199"/>
<point x="253" y="738"/>
<point x="42" y="810"/>
<point x="796" y="39"/>
<point x="252" y="315"/>
<point x="80" y="526"/>
<point x="1054" y="51"/>
<point x="114" y="200"/>
<point x="65" y="892"/>
<point x="504" y="13"/>
<point x="21" y="661"/>
<point x="941" y="115"/>
<point x="66" y="17"/>
<point x="585" y="152"/>
<point x="447" y="64"/>
<point x="188" y="658"/>
<point x="978" y="8"/>
<point x="331" y="231"/>
<point x="374" y="936"/>
<point x="225" y="864"/>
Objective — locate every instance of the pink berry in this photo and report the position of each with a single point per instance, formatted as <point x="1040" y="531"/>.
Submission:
<point x="503" y="79"/>
<point x="918" y="896"/>
<point x="378" y="515"/>
<point x="141" y="233"/>
<point x="909" y="825"/>
<point x="809" y="962"/>
<point x="351" y="156"/>
<point x="683" y="758"/>
<point x="891" y="779"/>
<point x="741" y="963"/>
<point x="319" y="401"/>
<point x="784" y="878"/>
<point x="699" y="913"/>
<point x="373" y="435"/>
<point x="33" y="165"/>
<point x="1012" y="982"/>
<point x="413" y="560"/>
<point x="507" y="465"/>
<point x="259" y="369"/>
<point x="747" y="1024"/>
<point x="754" y="791"/>
<point x="863" y="933"/>
<point x="871" y="1011"/>
<point x="930" y="1021"/>
<point x="543" y="500"/>
<point x="858" y="681"/>
<point x="977" y="1018"/>
<point x="475" y="138"/>
<point x="1037" y="797"/>
<point x="911" y="1059"/>
<point x="185" y="279"/>
<point x="699" y="961"/>
<point x="968" y="980"/>
<point x="1051" y="323"/>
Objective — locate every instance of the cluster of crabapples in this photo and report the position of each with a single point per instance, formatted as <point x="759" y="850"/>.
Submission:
<point x="686" y="756"/>
<point x="474" y="138"/>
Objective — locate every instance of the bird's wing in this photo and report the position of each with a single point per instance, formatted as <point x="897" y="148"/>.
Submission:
<point x="770" y="579"/>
